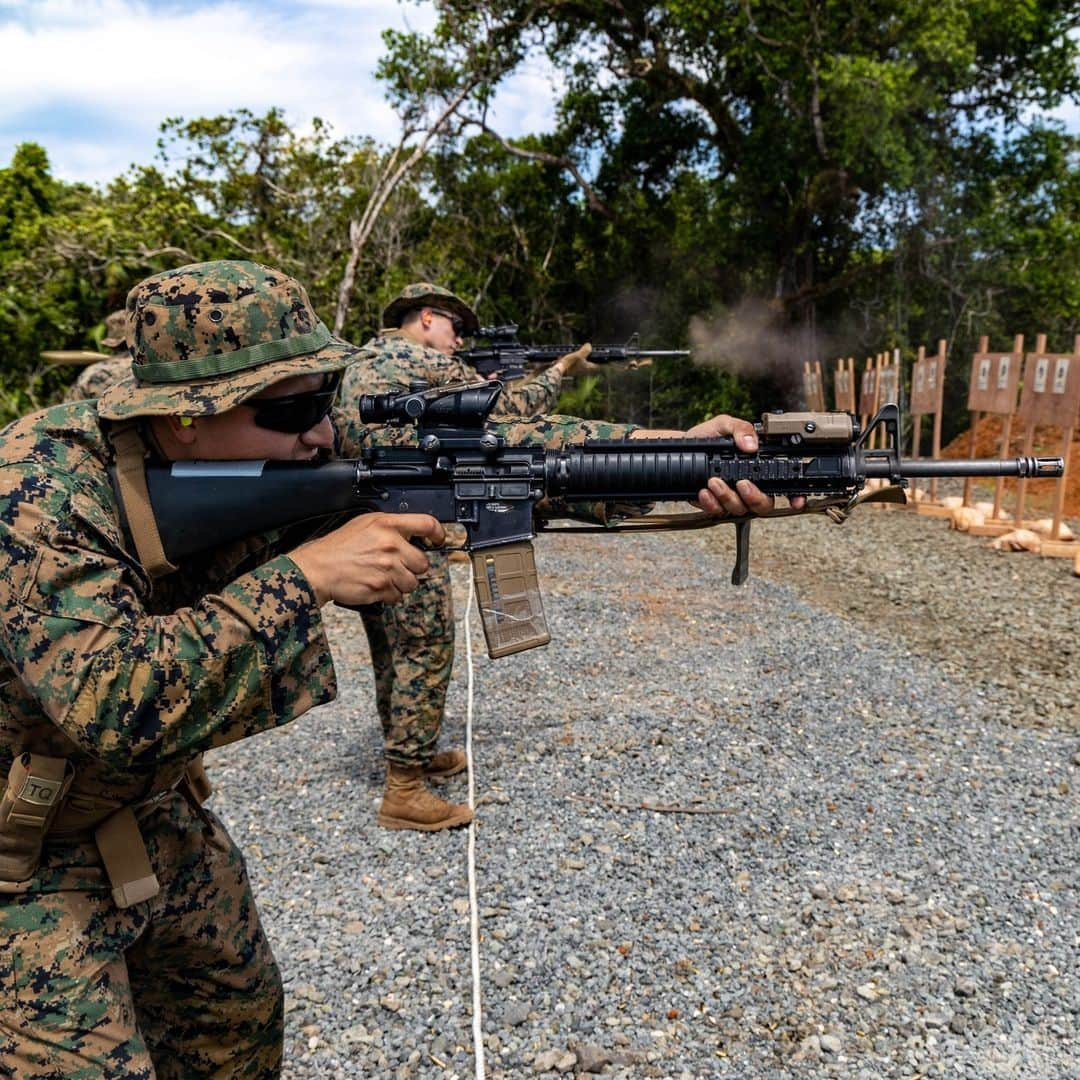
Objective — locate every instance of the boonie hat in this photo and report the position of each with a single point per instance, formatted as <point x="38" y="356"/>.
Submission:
<point x="115" y="330"/>
<point x="424" y="294"/>
<point x="205" y="337"/>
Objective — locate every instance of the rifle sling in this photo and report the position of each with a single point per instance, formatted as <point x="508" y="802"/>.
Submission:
<point x="135" y="498"/>
<point x="836" y="509"/>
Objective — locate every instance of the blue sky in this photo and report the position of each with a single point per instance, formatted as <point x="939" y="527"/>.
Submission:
<point x="92" y="80"/>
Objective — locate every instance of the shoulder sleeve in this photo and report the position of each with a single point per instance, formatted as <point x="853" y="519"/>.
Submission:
<point x="556" y="431"/>
<point x="129" y="686"/>
<point x="532" y="396"/>
<point x="559" y="430"/>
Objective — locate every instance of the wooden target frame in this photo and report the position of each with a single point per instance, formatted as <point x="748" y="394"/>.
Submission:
<point x="1050" y="395"/>
<point x="995" y="379"/>
<point x="927" y="395"/>
<point x="844" y="386"/>
<point x="889" y="383"/>
<point x="813" y="386"/>
<point x="868" y="391"/>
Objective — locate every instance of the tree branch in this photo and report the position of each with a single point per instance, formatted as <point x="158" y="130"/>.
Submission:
<point x="596" y="204"/>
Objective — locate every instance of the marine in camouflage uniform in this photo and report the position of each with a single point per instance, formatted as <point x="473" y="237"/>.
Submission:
<point x="412" y="643"/>
<point x="94" y="380"/>
<point x="130" y="944"/>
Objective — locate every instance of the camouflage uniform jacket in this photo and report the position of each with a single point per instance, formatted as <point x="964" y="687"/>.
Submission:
<point x="127" y="679"/>
<point x="391" y="361"/>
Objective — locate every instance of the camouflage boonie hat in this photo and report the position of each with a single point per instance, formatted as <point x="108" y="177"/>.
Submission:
<point x="424" y="294"/>
<point x="208" y="336"/>
<point x="115" y="330"/>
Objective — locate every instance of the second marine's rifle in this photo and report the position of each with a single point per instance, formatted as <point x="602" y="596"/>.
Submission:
<point x="461" y="471"/>
<point x="505" y="357"/>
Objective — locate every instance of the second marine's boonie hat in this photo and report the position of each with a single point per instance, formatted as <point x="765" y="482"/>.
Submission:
<point x="205" y="337"/>
<point x="115" y="330"/>
<point x="424" y="294"/>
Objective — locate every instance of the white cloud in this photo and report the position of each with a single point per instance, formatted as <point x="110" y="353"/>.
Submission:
<point x="93" y="79"/>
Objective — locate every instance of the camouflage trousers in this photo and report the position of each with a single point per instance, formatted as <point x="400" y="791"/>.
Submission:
<point x="180" y="986"/>
<point x="412" y="653"/>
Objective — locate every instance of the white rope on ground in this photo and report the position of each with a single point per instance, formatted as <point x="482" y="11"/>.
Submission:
<point x="474" y="918"/>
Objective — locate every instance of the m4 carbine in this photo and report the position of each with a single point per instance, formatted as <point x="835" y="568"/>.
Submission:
<point x="460" y="471"/>
<point x="505" y="357"/>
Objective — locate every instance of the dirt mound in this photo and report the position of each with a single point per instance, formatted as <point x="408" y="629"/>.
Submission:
<point x="1040" y="493"/>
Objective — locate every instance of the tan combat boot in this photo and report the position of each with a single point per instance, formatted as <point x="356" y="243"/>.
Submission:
<point x="446" y="763"/>
<point x="407" y="804"/>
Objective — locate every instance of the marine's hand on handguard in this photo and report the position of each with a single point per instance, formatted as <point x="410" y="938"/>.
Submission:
<point x="719" y="498"/>
<point x="576" y="362"/>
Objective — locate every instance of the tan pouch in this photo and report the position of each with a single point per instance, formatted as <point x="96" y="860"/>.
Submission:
<point x="36" y="788"/>
<point x="508" y="594"/>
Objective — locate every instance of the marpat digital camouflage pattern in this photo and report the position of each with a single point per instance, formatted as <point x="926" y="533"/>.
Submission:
<point x="129" y="682"/>
<point x="94" y="380"/>
<point x="208" y="336"/>
<point x="115" y="330"/>
<point x="424" y="294"/>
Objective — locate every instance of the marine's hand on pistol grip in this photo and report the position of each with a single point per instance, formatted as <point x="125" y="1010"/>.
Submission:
<point x="369" y="559"/>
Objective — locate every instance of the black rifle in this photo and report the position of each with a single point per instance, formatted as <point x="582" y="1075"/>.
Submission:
<point x="460" y="471"/>
<point x="505" y="356"/>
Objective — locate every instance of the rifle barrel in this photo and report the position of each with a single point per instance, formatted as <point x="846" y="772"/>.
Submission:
<point x="1018" y="466"/>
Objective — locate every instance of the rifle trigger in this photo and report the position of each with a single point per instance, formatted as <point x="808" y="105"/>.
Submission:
<point x="741" y="570"/>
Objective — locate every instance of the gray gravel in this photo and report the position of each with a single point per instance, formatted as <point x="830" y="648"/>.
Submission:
<point x="824" y="825"/>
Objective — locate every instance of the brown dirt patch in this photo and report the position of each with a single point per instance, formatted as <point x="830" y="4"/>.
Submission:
<point x="1040" y="494"/>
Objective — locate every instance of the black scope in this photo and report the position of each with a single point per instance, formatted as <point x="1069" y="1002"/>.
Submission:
<point x="444" y="406"/>
<point x="507" y="331"/>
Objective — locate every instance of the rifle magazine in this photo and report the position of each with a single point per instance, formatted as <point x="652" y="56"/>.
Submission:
<point x="508" y="596"/>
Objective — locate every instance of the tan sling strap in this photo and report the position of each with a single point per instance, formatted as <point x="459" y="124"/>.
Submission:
<point x="119" y="839"/>
<point x="126" y="862"/>
<point x="135" y="497"/>
<point x="836" y="508"/>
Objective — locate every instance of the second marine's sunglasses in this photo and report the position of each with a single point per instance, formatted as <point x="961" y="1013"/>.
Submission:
<point x="456" y="322"/>
<point x="296" y="413"/>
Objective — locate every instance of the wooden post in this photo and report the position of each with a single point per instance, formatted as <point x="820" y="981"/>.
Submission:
<point x="867" y="393"/>
<point x="1066" y="446"/>
<point x="942" y="349"/>
<point x="878" y="438"/>
<point x="918" y="376"/>
<point x="976" y="417"/>
<point x="1029" y="426"/>
<point x="1006" y="436"/>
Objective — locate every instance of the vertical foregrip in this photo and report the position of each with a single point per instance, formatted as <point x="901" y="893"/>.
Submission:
<point x="741" y="571"/>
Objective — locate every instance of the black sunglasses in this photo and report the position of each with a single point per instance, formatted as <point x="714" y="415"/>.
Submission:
<point x="457" y="323"/>
<point x="296" y="413"/>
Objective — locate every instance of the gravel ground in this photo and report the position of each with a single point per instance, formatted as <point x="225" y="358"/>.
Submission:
<point x="823" y="825"/>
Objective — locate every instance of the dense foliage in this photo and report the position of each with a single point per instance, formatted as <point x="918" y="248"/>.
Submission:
<point x="767" y="183"/>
